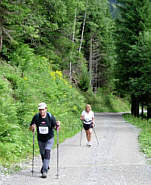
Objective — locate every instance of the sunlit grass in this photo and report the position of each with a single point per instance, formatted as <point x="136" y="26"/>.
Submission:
<point x="145" y="133"/>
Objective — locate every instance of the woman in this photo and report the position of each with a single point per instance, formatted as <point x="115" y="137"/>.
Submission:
<point x="87" y="117"/>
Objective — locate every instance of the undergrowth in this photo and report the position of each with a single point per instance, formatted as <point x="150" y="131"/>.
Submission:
<point x="21" y="89"/>
<point x="104" y="101"/>
<point x="145" y="133"/>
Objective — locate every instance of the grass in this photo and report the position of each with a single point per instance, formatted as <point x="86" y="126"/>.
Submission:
<point x="145" y="133"/>
<point x="106" y="102"/>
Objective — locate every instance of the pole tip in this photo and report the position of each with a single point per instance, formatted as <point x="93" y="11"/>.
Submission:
<point x="57" y="175"/>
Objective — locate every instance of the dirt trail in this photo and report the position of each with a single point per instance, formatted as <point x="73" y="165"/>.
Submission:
<point x="116" y="161"/>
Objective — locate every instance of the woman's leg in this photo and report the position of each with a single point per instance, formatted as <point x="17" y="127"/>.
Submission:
<point x="88" y="134"/>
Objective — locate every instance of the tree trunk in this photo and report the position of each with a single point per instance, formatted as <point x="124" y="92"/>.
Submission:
<point x="142" y="114"/>
<point x="148" y="111"/>
<point x="73" y="38"/>
<point x="90" y="62"/>
<point x="74" y="25"/>
<point x="85" y="15"/>
<point x="1" y="42"/>
<point x="134" y="106"/>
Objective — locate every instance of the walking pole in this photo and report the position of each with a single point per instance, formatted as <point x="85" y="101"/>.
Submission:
<point x="81" y="135"/>
<point x="57" y="152"/>
<point x="33" y="152"/>
<point x="95" y="136"/>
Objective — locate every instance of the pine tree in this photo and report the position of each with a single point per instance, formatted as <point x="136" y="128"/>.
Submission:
<point x="132" y="22"/>
<point x="99" y="46"/>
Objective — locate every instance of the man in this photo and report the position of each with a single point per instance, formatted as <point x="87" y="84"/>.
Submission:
<point x="45" y="124"/>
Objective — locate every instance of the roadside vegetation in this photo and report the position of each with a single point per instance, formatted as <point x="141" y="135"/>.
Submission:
<point x="145" y="132"/>
<point x="20" y="95"/>
<point x="105" y="101"/>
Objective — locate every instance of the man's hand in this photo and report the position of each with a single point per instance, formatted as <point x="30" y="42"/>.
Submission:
<point x="33" y="128"/>
<point x="57" y="124"/>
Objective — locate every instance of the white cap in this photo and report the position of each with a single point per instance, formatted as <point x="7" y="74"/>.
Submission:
<point x="42" y="105"/>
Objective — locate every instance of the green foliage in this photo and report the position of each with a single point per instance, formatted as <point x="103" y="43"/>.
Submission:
<point x="133" y="52"/>
<point x="144" y="136"/>
<point x="47" y="27"/>
<point x="104" y="101"/>
<point x="84" y="79"/>
<point x="99" y="27"/>
<point x="130" y="26"/>
<point x="21" y="89"/>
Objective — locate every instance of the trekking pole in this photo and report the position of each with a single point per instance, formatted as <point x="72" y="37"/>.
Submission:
<point x="33" y="152"/>
<point x="96" y="136"/>
<point x="81" y="135"/>
<point x="57" y="152"/>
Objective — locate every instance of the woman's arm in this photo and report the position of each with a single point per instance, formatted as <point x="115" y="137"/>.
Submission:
<point x="82" y="118"/>
<point x="93" y="123"/>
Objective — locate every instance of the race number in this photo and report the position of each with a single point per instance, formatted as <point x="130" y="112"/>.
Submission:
<point x="43" y="130"/>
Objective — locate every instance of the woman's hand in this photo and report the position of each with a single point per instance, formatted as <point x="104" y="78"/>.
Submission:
<point x="93" y="124"/>
<point x="82" y="118"/>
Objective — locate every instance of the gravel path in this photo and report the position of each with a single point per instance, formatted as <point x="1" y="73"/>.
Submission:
<point x="116" y="161"/>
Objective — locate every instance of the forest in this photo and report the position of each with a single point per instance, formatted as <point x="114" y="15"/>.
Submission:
<point x="69" y="53"/>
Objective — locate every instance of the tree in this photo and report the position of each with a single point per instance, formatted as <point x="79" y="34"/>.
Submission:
<point x="99" y="45"/>
<point x="132" y="22"/>
<point x="5" y="13"/>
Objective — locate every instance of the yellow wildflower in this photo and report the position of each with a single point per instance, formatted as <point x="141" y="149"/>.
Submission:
<point x="59" y="73"/>
<point x="25" y="78"/>
<point x="65" y="82"/>
<point x="53" y="75"/>
<point x="74" y="107"/>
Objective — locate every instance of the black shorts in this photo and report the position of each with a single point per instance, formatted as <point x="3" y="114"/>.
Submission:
<point x="87" y="126"/>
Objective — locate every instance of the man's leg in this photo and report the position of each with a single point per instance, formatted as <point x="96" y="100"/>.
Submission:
<point x="48" y="147"/>
<point x="42" y="157"/>
<point x="42" y="151"/>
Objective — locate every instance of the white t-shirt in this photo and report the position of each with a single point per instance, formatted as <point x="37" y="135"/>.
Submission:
<point x="88" y="117"/>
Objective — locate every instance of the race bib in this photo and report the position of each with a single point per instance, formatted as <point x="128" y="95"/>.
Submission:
<point x="43" y="130"/>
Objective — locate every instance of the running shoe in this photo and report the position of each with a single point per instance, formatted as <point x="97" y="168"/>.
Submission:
<point x="44" y="175"/>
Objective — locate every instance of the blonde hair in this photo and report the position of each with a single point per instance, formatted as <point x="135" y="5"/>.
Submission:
<point x="88" y="105"/>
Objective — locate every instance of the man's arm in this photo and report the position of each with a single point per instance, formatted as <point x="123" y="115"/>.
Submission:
<point x="32" y="126"/>
<point x="56" y="124"/>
